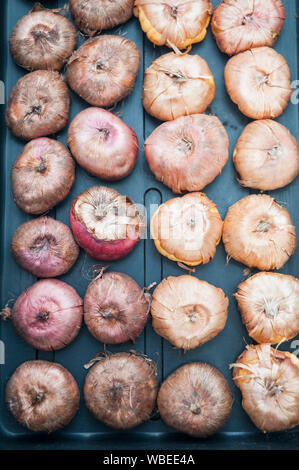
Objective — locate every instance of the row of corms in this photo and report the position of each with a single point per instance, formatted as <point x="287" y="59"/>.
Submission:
<point x="185" y="311"/>
<point x="121" y="389"/>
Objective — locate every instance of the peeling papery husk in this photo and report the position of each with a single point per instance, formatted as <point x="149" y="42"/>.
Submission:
<point x="120" y="389"/>
<point x="105" y="223"/>
<point x="103" y="354"/>
<point x="96" y="271"/>
<point x="115" y="308"/>
<point x="269" y="382"/>
<point x="45" y="247"/>
<point x="6" y="312"/>
<point x="188" y="312"/>
<point x="258" y="81"/>
<point x="174" y="24"/>
<point x="269" y="306"/>
<point x="243" y="24"/>
<point x="266" y="156"/>
<point x="103" y="144"/>
<point x="42" y="396"/>
<point x="103" y="70"/>
<point x="42" y="40"/>
<point x="259" y="233"/>
<point x="186" y="268"/>
<point x="42" y="175"/>
<point x="187" y="229"/>
<point x="99" y="357"/>
<point x="177" y="85"/>
<point x="38" y="105"/>
<point x="195" y="399"/>
<point x="187" y="153"/>
<point x="48" y="315"/>
<point x="92" y="16"/>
